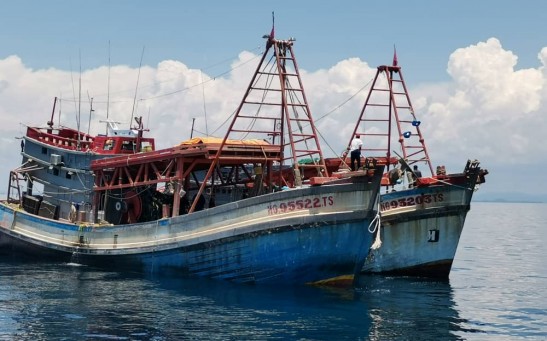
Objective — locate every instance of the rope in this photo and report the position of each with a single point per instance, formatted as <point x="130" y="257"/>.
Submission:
<point x="268" y="81"/>
<point x="330" y="147"/>
<point x="375" y="225"/>
<point x="346" y="101"/>
<point x="341" y="158"/>
<point x="448" y="183"/>
<point x="204" y="82"/>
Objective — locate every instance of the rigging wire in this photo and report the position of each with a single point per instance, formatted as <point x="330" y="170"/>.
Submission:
<point x="108" y="87"/>
<point x="155" y="84"/>
<point x="202" y="83"/>
<point x="228" y="119"/>
<point x="320" y="118"/>
<point x="204" y="103"/>
<point x="269" y="80"/>
<point x="73" y="89"/>
<point x="346" y="101"/>
<point x="335" y="109"/>
<point x="136" y="88"/>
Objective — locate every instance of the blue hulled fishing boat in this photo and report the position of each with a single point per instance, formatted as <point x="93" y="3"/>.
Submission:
<point x="421" y="217"/>
<point x="242" y="207"/>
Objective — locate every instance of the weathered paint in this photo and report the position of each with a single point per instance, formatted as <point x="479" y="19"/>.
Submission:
<point x="409" y="225"/>
<point x="241" y="241"/>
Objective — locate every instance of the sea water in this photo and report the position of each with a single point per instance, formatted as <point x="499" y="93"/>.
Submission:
<point x="497" y="291"/>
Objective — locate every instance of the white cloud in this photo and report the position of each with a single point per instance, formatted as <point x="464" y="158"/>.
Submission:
<point x="485" y="72"/>
<point x="489" y="110"/>
<point x="493" y="110"/>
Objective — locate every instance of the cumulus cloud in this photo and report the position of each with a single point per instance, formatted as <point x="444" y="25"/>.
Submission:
<point x="488" y="110"/>
<point x="493" y="109"/>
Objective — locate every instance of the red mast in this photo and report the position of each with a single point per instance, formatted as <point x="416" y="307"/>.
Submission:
<point x="388" y="118"/>
<point x="275" y="106"/>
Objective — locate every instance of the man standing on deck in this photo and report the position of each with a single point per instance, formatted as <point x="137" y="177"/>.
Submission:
<point x="355" y="152"/>
<point x="413" y="176"/>
<point x="417" y="172"/>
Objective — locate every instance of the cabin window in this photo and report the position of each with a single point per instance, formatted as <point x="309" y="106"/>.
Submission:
<point x="55" y="171"/>
<point x="68" y="175"/>
<point x="128" y="145"/>
<point x="146" y="146"/>
<point x="108" y="145"/>
<point x="44" y="150"/>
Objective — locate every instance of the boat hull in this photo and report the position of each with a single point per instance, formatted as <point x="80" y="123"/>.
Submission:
<point x="297" y="236"/>
<point x="420" y="231"/>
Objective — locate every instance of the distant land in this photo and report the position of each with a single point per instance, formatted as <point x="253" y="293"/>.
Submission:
<point x="510" y="197"/>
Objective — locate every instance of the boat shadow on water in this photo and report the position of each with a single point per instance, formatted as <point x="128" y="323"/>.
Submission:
<point x="59" y="299"/>
<point x="378" y="307"/>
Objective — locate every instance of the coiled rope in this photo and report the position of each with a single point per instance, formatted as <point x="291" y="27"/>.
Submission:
<point x="373" y="227"/>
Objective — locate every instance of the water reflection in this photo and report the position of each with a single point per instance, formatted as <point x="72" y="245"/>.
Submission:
<point x="60" y="301"/>
<point x="380" y="308"/>
<point x="409" y="308"/>
<point x="495" y="293"/>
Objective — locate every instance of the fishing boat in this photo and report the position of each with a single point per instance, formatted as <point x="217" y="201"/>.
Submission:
<point x="421" y="217"/>
<point x="240" y="208"/>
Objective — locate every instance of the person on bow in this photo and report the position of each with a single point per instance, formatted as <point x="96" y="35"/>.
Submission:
<point x="355" y="152"/>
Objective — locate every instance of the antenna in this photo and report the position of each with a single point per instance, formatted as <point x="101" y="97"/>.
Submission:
<point x="50" y="122"/>
<point x="148" y="118"/>
<point x="270" y="37"/>
<point x="204" y="105"/>
<point x="79" y="100"/>
<point x="136" y="87"/>
<point x="108" y="87"/>
<point x="73" y="89"/>
<point x="272" y="34"/>
<point x="60" y="110"/>
<point x="90" y="112"/>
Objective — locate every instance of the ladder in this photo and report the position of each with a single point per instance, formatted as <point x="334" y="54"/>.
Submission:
<point x="388" y="118"/>
<point x="14" y="190"/>
<point x="275" y="106"/>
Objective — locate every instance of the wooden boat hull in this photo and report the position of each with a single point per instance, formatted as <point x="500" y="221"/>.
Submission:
<point x="420" y="231"/>
<point x="301" y="235"/>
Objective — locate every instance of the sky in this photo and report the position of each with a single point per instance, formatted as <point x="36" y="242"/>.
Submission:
<point x="475" y="71"/>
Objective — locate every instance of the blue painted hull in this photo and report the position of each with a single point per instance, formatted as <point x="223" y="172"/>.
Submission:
<point x="287" y="255"/>
<point x="245" y="241"/>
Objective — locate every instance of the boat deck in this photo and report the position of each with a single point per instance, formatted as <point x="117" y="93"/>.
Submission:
<point x="201" y="153"/>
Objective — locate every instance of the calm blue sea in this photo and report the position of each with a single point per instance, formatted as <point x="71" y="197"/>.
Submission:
<point x="497" y="291"/>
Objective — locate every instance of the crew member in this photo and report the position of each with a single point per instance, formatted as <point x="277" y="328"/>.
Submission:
<point x="355" y="152"/>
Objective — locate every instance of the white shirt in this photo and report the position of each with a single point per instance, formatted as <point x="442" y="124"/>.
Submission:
<point x="356" y="143"/>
